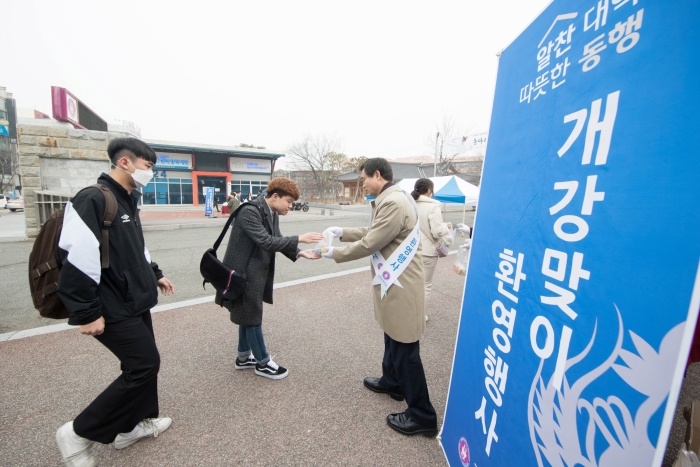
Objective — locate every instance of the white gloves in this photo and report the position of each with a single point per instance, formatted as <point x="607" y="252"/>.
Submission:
<point x="464" y="229"/>
<point x="329" y="253"/>
<point x="336" y="231"/>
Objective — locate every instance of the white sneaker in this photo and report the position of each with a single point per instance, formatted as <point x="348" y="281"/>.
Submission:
<point x="74" y="449"/>
<point x="426" y="318"/>
<point x="147" y="427"/>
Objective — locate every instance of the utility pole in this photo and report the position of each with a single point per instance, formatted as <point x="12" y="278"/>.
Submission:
<point x="437" y="137"/>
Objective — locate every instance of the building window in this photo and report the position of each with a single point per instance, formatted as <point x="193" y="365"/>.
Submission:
<point x="168" y="191"/>
<point x="248" y="186"/>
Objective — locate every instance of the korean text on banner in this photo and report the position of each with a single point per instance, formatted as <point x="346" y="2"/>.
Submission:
<point x="209" y="201"/>
<point x="583" y="290"/>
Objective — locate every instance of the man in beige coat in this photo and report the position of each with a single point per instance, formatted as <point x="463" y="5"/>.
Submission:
<point x="400" y="313"/>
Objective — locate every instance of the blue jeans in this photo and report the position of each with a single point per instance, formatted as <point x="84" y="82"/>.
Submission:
<point x="250" y="338"/>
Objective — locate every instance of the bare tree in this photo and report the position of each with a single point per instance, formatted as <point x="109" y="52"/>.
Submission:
<point x="319" y="156"/>
<point x="353" y="165"/>
<point x="446" y="130"/>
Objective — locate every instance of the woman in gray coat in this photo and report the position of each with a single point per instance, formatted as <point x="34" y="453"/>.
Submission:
<point x="255" y="238"/>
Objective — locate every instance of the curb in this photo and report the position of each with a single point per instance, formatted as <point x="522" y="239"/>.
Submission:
<point x="13" y="239"/>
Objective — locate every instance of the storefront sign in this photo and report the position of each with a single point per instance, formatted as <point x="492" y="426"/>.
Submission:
<point x="167" y="160"/>
<point x="68" y="108"/>
<point x="583" y="285"/>
<point x="250" y="165"/>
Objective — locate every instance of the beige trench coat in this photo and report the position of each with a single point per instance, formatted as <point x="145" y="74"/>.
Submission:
<point x="401" y="314"/>
<point x="432" y="227"/>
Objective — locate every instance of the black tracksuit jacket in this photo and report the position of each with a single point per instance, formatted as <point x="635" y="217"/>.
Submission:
<point x="126" y="289"/>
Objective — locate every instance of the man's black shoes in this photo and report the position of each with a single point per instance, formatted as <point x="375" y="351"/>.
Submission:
<point x="375" y="384"/>
<point x="406" y="425"/>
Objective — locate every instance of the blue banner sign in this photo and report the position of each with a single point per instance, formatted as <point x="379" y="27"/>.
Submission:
<point x="582" y="290"/>
<point x="209" y="201"/>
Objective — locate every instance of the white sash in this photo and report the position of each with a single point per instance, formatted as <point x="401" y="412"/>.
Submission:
<point x="388" y="271"/>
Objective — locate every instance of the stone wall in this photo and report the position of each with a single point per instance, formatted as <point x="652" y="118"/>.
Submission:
<point x="53" y="156"/>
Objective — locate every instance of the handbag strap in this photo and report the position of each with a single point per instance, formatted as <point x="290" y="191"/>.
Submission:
<point x="218" y="241"/>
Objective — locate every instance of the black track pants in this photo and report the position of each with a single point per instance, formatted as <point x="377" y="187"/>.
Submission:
<point x="134" y="395"/>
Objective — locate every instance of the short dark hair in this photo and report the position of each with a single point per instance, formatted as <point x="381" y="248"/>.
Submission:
<point x="370" y="166"/>
<point x="130" y="147"/>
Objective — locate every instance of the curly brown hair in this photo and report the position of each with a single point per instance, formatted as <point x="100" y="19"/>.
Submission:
<point x="283" y="187"/>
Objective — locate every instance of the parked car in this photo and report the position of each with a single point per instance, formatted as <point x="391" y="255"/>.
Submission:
<point x="3" y="202"/>
<point x="15" y="204"/>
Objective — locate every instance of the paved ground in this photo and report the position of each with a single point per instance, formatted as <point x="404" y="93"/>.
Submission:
<point x="167" y="220"/>
<point x="11" y="225"/>
<point x="324" y="332"/>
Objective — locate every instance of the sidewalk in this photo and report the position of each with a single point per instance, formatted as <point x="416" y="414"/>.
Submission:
<point x="323" y="331"/>
<point x="11" y="226"/>
<point x="173" y="220"/>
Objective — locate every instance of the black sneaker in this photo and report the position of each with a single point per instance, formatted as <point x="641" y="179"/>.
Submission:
<point x="246" y="364"/>
<point x="271" y="370"/>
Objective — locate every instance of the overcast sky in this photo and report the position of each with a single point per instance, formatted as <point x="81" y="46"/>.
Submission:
<point x="377" y="74"/>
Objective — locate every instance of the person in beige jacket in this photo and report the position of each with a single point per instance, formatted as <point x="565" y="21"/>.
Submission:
<point x="401" y="312"/>
<point x="432" y="228"/>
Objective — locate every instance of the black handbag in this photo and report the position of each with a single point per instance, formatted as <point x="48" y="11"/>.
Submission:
<point x="228" y="282"/>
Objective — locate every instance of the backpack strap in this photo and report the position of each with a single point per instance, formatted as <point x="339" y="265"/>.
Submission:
<point x="110" y="213"/>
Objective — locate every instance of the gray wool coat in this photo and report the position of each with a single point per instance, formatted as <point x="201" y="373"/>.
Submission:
<point x="256" y="234"/>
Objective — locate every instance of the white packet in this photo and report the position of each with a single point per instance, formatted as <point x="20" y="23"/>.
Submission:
<point x="323" y="246"/>
<point x="460" y="265"/>
<point x="687" y="459"/>
<point x="449" y="239"/>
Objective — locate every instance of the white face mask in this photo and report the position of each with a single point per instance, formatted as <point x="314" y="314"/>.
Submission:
<point x="141" y="177"/>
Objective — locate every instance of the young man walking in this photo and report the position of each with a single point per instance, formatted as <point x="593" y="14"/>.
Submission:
<point x="255" y="238"/>
<point x="113" y="305"/>
<point x="393" y="243"/>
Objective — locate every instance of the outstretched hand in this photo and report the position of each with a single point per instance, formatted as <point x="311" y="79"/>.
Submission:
<point x="336" y="231"/>
<point x="308" y="254"/>
<point x="311" y="237"/>
<point x="464" y="229"/>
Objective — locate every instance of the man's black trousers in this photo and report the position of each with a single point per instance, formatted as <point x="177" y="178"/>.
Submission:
<point x="402" y="373"/>
<point x="134" y="395"/>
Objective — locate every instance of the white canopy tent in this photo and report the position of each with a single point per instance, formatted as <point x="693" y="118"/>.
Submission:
<point x="449" y="189"/>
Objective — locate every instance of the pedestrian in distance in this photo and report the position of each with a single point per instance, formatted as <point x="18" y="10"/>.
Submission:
<point x="255" y="238"/>
<point x="233" y="203"/>
<point x="432" y="229"/>
<point x="113" y="305"/>
<point x="400" y="310"/>
<point x="250" y="196"/>
<point x="215" y="202"/>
